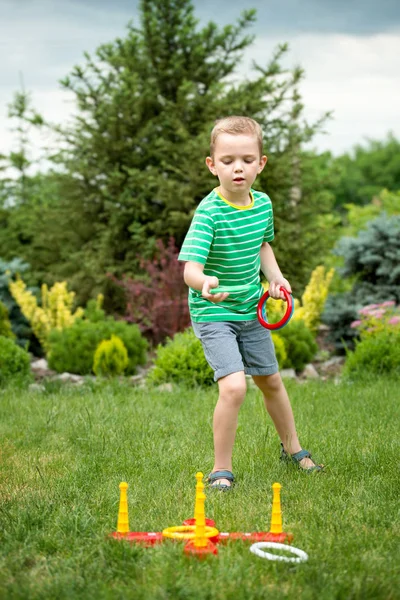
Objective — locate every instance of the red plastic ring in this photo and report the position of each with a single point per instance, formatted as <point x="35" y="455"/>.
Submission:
<point x="286" y="316"/>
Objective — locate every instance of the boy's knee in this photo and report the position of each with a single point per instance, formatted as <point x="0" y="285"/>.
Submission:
<point x="233" y="388"/>
<point x="270" y="383"/>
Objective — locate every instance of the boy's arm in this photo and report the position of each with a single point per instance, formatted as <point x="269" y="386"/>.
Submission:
<point x="195" y="278"/>
<point x="272" y="272"/>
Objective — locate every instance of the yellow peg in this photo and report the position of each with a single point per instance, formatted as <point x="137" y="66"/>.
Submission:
<point x="200" y="545"/>
<point x="200" y="540"/>
<point x="123" y="519"/>
<point x="276" y="518"/>
<point x="199" y="490"/>
<point x="199" y="481"/>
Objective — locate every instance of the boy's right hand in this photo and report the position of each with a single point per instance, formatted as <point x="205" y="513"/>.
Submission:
<point x="212" y="282"/>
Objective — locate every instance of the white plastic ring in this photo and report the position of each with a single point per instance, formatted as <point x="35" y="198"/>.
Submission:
<point x="256" y="549"/>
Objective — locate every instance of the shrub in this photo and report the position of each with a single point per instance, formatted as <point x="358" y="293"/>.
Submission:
<point x="378" y="354"/>
<point x="314" y="297"/>
<point x="181" y="360"/>
<point x="110" y="358"/>
<point x="14" y="361"/>
<point x="373" y="260"/>
<point x="340" y="312"/>
<point x="374" y="255"/>
<point x="93" y="311"/>
<point x="374" y="318"/>
<point x="159" y="306"/>
<point x="55" y="312"/>
<point x="300" y="345"/>
<point x="72" y="349"/>
<point x="5" y="325"/>
<point x="280" y="349"/>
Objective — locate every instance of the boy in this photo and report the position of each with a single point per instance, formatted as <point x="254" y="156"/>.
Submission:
<point x="227" y="244"/>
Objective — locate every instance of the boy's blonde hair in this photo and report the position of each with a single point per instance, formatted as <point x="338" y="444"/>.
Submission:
<point x="235" y="126"/>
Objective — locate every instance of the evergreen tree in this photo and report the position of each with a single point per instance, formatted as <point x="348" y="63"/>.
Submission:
<point x="17" y="187"/>
<point x="133" y="158"/>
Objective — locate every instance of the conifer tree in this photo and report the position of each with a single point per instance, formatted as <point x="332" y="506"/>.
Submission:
<point x="133" y="157"/>
<point x="146" y="105"/>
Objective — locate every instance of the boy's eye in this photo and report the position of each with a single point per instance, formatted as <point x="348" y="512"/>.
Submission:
<point x="228" y="161"/>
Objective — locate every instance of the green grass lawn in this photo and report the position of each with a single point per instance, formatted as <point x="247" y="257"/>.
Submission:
<point x="64" y="453"/>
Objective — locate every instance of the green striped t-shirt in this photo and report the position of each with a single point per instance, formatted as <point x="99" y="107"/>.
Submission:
<point x="227" y="239"/>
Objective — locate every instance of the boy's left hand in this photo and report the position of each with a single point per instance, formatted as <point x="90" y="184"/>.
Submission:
<point x="274" y="288"/>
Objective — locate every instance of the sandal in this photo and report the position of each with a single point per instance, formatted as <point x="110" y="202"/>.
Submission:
<point x="297" y="457"/>
<point x="213" y="477"/>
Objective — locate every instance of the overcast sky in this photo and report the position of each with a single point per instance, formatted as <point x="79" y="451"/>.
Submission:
<point x="350" y="50"/>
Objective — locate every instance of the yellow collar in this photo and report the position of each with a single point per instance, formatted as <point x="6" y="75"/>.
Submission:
<point x="237" y="205"/>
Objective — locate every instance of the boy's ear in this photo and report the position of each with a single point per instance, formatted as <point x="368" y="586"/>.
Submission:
<point x="263" y="162"/>
<point x="210" y="165"/>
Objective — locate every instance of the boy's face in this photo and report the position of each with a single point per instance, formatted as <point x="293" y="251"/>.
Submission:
<point x="236" y="162"/>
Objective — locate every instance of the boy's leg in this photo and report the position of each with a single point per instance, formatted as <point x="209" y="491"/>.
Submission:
<point x="219" y="340"/>
<point x="279" y="408"/>
<point x="232" y="391"/>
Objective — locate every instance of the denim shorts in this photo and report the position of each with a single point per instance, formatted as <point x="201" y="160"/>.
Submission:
<point x="232" y="346"/>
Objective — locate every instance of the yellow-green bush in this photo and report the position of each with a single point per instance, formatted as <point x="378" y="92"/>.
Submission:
<point x="5" y="325"/>
<point x="110" y="358"/>
<point x="314" y="297"/>
<point x="55" y="312"/>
